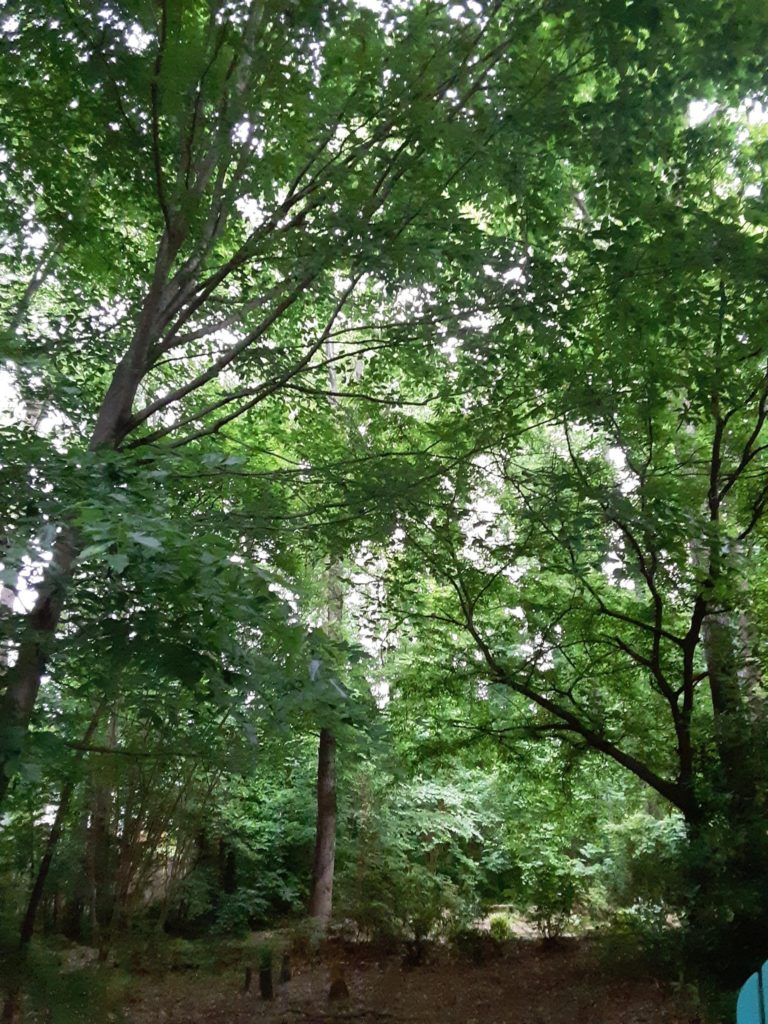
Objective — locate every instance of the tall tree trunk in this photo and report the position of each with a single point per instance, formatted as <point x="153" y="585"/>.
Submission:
<point x="321" y="900"/>
<point x="733" y="730"/>
<point x="729" y="912"/>
<point x="23" y="679"/>
<point x="324" y="864"/>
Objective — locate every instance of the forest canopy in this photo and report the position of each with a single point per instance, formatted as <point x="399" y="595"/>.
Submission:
<point x="384" y="469"/>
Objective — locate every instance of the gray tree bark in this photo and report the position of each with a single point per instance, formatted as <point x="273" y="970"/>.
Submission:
<point x="323" y="868"/>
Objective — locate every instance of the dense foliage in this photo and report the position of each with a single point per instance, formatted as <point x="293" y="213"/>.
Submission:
<point x="395" y="373"/>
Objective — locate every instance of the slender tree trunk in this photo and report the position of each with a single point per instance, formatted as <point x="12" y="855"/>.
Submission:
<point x="321" y="900"/>
<point x="7" y="602"/>
<point x="749" y="671"/>
<point x="28" y="924"/>
<point x="99" y="853"/>
<point x="750" y="675"/>
<point x="31" y="414"/>
<point x="39" y="276"/>
<point x="324" y="865"/>
<point x="11" y="1004"/>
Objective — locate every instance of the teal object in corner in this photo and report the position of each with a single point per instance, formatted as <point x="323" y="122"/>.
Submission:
<point x="751" y="1007"/>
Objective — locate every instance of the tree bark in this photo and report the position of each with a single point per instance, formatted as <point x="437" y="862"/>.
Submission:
<point x="321" y="900"/>
<point x="23" y="679"/>
<point x="733" y="730"/>
<point x="99" y="843"/>
<point x="324" y="866"/>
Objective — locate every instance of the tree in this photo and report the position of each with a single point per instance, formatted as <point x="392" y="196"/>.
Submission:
<point x="600" y="566"/>
<point x="242" y="185"/>
<point x="491" y="233"/>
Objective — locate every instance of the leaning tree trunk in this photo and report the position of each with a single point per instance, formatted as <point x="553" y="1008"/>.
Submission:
<point x="22" y="682"/>
<point x="321" y="899"/>
<point x="23" y="679"/>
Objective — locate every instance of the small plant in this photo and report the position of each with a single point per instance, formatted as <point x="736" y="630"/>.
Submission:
<point x="305" y="938"/>
<point x="500" y="928"/>
<point x="265" y="954"/>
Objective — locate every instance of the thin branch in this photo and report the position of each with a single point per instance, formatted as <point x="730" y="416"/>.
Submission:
<point x="227" y="357"/>
<point x="155" y="107"/>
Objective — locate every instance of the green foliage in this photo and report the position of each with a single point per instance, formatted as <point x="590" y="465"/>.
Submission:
<point x="646" y="938"/>
<point x="237" y="912"/>
<point x="265" y="955"/>
<point x="250" y="864"/>
<point x="465" y="324"/>
<point x="472" y="943"/>
<point x="417" y="861"/>
<point x="54" y="984"/>
<point x="639" y="862"/>
<point x="499" y="927"/>
<point x="551" y="887"/>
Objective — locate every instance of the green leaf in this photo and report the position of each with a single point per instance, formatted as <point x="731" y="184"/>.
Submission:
<point x="92" y="550"/>
<point x="146" y="540"/>
<point x="117" y="562"/>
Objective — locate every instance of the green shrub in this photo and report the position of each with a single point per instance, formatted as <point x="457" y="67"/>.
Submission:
<point x="552" y="885"/>
<point x="237" y="910"/>
<point x="500" y="928"/>
<point x="641" y="939"/>
<point x="473" y="944"/>
<point x="412" y="875"/>
<point x="640" y="858"/>
<point x="265" y="955"/>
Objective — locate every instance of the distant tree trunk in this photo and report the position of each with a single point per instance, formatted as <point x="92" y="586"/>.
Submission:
<point x="28" y="924"/>
<point x="7" y="602"/>
<point x="76" y="895"/>
<point x="99" y="853"/>
<point x="227" y="866"/>
<point x="40" y="275"/>
<point x="321" y="900"/>
<point x="11" y="1005"/>
<point x="749" y="670"/>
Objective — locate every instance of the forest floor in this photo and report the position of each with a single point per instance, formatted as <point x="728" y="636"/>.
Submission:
<point x="529" y="983"/>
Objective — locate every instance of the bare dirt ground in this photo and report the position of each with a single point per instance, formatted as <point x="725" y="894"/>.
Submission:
<point x="530" y="983"/>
